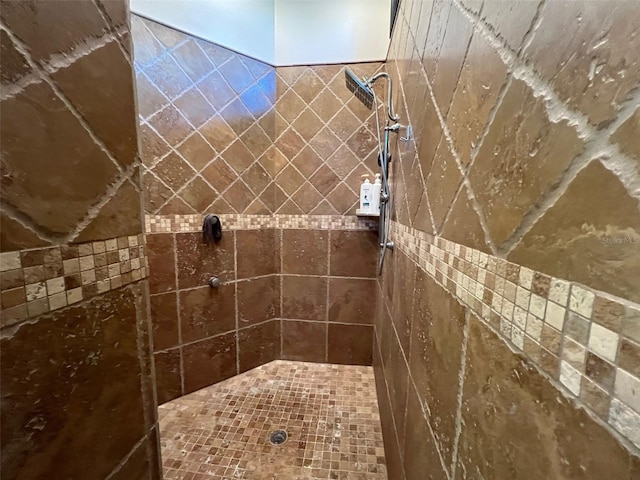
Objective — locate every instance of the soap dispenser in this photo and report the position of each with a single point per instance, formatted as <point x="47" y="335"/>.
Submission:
<point x="366" y="190"/>
<point x="375" y="196"/>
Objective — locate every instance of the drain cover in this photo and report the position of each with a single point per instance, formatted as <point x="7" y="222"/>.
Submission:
<point x="278" y="437"/>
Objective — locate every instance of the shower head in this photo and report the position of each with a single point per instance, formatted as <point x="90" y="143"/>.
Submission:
<point x="361" y="90"/>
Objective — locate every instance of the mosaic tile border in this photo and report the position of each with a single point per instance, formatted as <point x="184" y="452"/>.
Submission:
<point x="587" y="340"/>
<point x="193" y="223"/>
<point x="34" y="282"/>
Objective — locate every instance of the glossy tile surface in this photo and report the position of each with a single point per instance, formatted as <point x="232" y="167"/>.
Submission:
<point x="330" y="413"/>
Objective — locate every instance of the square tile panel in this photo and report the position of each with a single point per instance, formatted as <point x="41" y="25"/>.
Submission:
<point x="330" y="414"/>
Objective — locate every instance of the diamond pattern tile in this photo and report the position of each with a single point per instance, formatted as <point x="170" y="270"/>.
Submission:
<point x="223" y="132"/>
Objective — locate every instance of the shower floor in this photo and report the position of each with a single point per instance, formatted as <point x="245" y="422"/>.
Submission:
<point x="329" y="412"/>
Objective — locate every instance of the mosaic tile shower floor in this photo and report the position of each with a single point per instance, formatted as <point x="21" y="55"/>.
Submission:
<point x="330" y="413"/>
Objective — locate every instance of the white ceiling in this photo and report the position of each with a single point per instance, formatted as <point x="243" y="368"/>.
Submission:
<point x="282" y="32"/>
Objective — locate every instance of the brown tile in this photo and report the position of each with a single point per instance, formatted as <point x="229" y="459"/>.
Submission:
<point x="41" y="393"/>
<point x="216" y="90"/>
<point x="304" y="252"/>
<point x="121" y="216"/>
<point x="81" y="166"/>
<point x="257" y="140"/>
<point x="420" y="451"/>
<point x="453" y="49"/>
<point x="174" y="171"/>
<point x="510" y="23"/>
<point x="258" y="344"/>
<point x="304" y="298"/>
<point x="256" y="101"/>
<point x="462" y="213"/>
<point x="308" y="85"/>
<point x="11" y="279"/>
<point x="14" y="64"/>
<point x="207" y="311"/>
<point x="600" y="371"/>
<point x="13" y="297"/>
<point x="236" y="74"/>
<point x="198" y="194"/>
<point x="396" y="371"/>
<point x="162" y="269"/>
<point x="168" y="77"/>
<point x="238" y="156"/>
<point x="629" y="357"/>
<point x="146" y="47"/>
<point x="192" y="60"/>
<point x="156" y="193"/>
<point x="550" y="339"/>
<point x="597" y="199"/>
<point x="194" y="107"/>
<point x="577" y="327"/>
<point x="307" y="198"/>
<point x="258" y="252"/>
<point x="566" y="66"/>
<point x="290" y="143"/>
<point x="256" y="178"/>
<point x="325" y="180"/>
<point x="540" y="284"/>
<point x="198" y="261"/>
<point x="351" y="300"/>
<point x="608" y="313"/>
<point x="219" y="174"/>
<point x="435" y="356"/>
<point x="109" y="110"/>
<point x="303" y="396"/>
<point x="289" y="179"/>
<point x="350" y="344"/>
<point x="530" y="172"/>
<point x="168" y="376"/>
<point x="443" y="182"/>
<point x="152" y="145"/>
<point x="595" y="398"/>
<point x="209" y="361"/>
<point x="406" y="287"/>
<point x="625" y="136"/>
<point x="326" y="105"/>
<point x="196" y="151"/>
<point x="218" y="133"/>
<point x="258" y="300"/>
<point x="68" y="28"/>
<point x="304" y="341"/>
<point x="353" y="254"/>
<point x="515" y="382"/>
<point x="171" y="125"/>
<point x="239" y="196"/>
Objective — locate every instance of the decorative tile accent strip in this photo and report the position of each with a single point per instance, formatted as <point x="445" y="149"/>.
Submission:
<point x="34" y="282"/>
<point x="193" y="223"/>
<point x="587" y="340"/>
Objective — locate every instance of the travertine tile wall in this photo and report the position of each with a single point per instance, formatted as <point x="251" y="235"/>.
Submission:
<point x="75" y="331"/>
<point x="518" y="228"/>
<point x="276" y="150"/>
<point x="291" y="289"/>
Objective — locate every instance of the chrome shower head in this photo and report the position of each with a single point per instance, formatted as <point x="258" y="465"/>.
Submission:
<point x="361" y="90"/>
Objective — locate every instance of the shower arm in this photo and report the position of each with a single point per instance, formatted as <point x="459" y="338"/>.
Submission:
<point x="370" y="81"/>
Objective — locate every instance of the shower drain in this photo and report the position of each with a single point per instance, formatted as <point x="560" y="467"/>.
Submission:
<point x="278" y="437"/>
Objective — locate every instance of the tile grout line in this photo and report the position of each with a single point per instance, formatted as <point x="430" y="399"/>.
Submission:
<point x="433" y="264"/>
<point x="461" y="376"/>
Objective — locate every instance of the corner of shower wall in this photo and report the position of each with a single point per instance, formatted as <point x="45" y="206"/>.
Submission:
<point x="77" y="373"/>
<point x="277" y="153"/>
<point x="517" y="242"/>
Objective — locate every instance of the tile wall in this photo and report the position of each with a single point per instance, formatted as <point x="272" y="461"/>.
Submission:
<point x="75" y="340"/>
<point x="507" y="337"/>
<point x="278" y="153"/>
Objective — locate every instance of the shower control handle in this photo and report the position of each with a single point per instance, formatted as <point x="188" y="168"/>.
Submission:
<point x="214" y="282"/>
